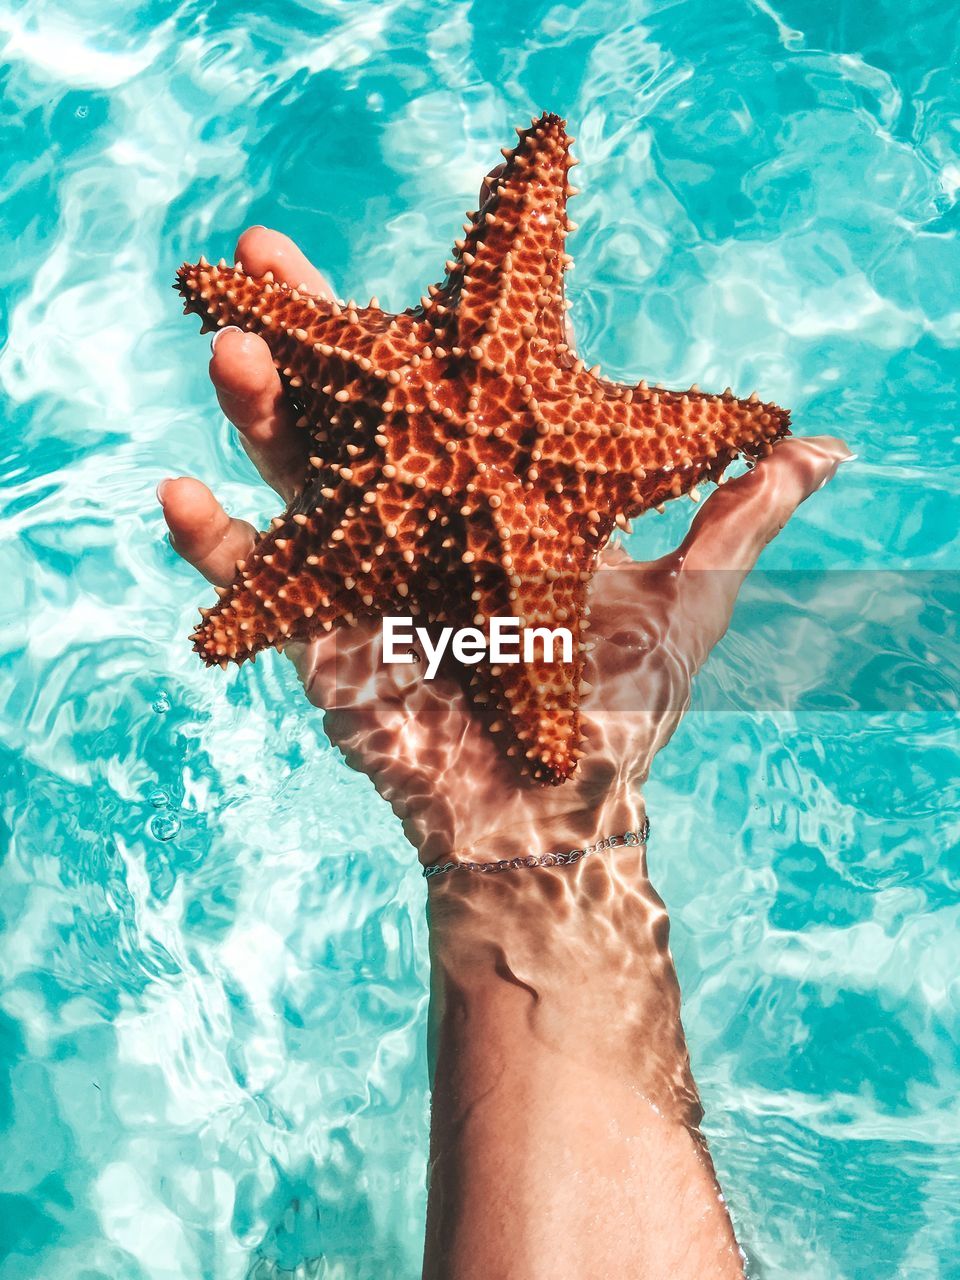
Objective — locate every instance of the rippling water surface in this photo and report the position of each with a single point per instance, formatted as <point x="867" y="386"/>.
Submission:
<point x="212" y="1025"/>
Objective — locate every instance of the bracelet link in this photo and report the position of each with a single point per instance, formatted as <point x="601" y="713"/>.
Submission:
<point x="568" y="859"/>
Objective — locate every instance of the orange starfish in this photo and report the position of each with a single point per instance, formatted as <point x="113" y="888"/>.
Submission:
<point x="466" y="464"/>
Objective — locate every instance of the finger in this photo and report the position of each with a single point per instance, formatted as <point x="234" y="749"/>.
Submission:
<point x="243" y="372"/>
<point x="252" y="398"/>
<point x="262" y="250"/>
<point x="614" y="556"/>
<point x="201" y="531"/>
<point x="731" y="530"/>
<point x="741" y="517"/>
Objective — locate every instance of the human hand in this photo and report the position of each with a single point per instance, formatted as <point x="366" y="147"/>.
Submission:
<point x="419" y="741"/>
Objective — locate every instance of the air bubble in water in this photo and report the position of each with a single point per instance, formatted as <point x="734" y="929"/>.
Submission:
<point x="165" y="825"/>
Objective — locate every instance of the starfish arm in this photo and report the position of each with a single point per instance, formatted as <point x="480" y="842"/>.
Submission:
<point x="222" y="295"/>
<point x="521" y="566"/>
<point x="504" y="289"/>
<point x="319" y="347"/>
<point x="642" y="446"/>
<point x="317" y="565"/>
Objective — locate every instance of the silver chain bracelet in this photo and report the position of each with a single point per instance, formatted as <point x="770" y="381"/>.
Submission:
<point x="544" y="859"/>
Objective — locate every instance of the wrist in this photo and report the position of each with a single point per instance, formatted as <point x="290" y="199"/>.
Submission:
<point x="574" y="959"/>
<point x="533" y="827"/>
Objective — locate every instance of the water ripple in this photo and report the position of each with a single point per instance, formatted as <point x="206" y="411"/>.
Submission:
<point x="213" y="1009"/>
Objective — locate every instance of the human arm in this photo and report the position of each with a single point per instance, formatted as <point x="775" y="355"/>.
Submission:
<point x="565" y="1119"/>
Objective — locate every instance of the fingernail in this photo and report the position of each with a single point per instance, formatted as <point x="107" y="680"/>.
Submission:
<point x="160" y="488"/>
<point x="230" y="328"/>
<point x="851" y="457"/>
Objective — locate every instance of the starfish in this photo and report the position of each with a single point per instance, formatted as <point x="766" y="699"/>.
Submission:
<point x="465" y="464"/>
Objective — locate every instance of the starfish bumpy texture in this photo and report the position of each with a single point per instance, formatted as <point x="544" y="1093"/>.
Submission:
<point x="465" y="463"/>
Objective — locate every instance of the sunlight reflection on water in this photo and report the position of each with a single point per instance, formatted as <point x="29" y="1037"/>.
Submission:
<point x="214" y="1007"/>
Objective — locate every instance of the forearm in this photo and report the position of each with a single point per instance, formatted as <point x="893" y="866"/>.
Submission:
<point x="564" y="1132"/>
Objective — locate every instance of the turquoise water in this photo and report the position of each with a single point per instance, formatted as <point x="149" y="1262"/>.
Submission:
<point x="212" y="1022"/>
